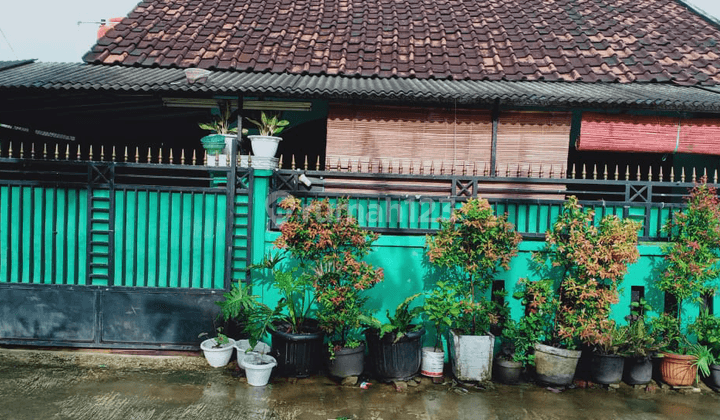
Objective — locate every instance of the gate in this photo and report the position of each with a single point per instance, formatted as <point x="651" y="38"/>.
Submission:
<point x="122" y="255"/>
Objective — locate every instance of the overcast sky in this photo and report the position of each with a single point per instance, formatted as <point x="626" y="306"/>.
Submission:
<point x="48" y="30"/>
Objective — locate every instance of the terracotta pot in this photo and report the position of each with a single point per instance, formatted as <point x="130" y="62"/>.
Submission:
<point x="678" y="369"/>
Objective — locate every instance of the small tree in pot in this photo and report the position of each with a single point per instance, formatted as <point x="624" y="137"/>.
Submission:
<point x="330" y="246"/>
<point x="474" y="244"/>
<point x="587" y="263"/>
<point x="690" y="270"/>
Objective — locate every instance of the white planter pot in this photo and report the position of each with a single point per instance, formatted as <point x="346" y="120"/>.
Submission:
<point x="217" y="356"/>
<point x="264" y="146"/>
<point x="433" y="362"/>
<point x="471" y="356"/>
<point x="243" y="345"/>
<point x="258" y="374"/>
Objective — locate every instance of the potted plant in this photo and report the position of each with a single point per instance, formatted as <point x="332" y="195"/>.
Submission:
<point x="265" y="143"/>
<point x="518" y="339"/>
<point x="690" y="266"/>
<point x="440" y="308"/>
<point x="639" y="347"/>
<point x="217" y="350"/>
<point x="586" y="264"/>
<point x="296" y="338"/>
<point x="473" y="244"/>
<point x="707" y="330"/>
<point x="218" y="145"/>
<point x="253" y="357"/>
<point x="235" y="310"/>
<point x="329" y="245"/>
<point x="394" y="347"/>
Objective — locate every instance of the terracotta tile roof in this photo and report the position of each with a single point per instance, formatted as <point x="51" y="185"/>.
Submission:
<point x="568" y="40"/>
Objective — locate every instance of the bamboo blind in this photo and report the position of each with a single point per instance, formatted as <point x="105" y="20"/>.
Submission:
<point x="449" y="138"/>
<point x="654" y="134"/>
<point x="532" y="140"/>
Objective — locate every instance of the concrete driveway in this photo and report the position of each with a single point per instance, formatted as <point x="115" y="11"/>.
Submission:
<point x="37" y="384"/>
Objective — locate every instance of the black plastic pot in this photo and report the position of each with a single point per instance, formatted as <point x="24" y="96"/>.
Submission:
<point x="298" y="355"/>
<point x="607" y="368"/>
<point x="395" y="361"/>
<point x="637" y="370"/>
<point x="507" y="371"/>
<point x="348" y="362"/>
<point x="713" y="380"/>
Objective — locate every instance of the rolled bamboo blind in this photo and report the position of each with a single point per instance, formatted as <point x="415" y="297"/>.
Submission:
<point x="449" y="138"/>
<point x="532" y="140"/>
<point x="653" y="134"/>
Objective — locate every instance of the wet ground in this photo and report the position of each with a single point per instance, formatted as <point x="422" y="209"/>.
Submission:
<point x="91" y="385"/>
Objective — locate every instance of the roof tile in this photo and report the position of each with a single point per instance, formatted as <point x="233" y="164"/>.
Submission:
<point x="592" y="40"/>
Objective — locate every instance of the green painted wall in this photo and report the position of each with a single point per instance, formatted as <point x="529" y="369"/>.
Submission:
<point x="407" y="270"/>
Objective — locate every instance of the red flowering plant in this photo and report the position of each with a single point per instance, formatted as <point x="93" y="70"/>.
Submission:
<point x="691" y="257"/>
<point x="330" y="246"/>
<point x="474" y="244"/>
<point x="587" y="262"/>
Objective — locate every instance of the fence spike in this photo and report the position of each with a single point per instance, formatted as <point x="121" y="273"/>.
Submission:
<point x="552" y="173"/>
<point x="442" y="167"/>
<point x="390" y="167"/>
<point x="540" y="172"/>
<point x="77" y="152"/>
<point x="422" y="167"/>
<point x="584" y="172"/>
<point x="194" y="157"/>
<point x="57" y="151"/>
<point x="44" y="153"/>
<point x="412" y="166"/>
<point x="464" y="169"/>
<point x="595" y="171"/>
<point x="529" y="171"/>
<point x="125" y="153"/>
<point x="182" y="157"/>
<point x="67" y="151"/>
<point x="650" y="177"/>
<point x="715" y="178"/>
<point x="432" y="167"/>
<point x="91" y="155"/>
<point x="507" y="170"/>
<point x="114" y="156"/>
<point x="160" y="155"/>
<point x="705" y="177"/>
<point x="102" y="152"/>
<point x="474" y="168"/>
<point x="32" y="150"/>
<point x="22" y="152"/>
<point x="693" y="175"/>
<point x="638" y="174"/>
<point x="682" y="175"/>
<point x="292" y="162"/>
<point x="605" y="173"/>
<point x="306" y="163"/>
<point x="317" y="163"/>
<point x="627" y="173"/>
<point x="171" y="158"/>
<point x="672" y="174"/>
<point x="660" y="174"/>
<point x="280" y="161"/>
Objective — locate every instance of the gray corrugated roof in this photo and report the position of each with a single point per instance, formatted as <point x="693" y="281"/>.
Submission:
<point x="79" y="76"/>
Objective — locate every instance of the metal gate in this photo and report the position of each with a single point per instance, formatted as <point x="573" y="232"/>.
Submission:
<point x="125" y="255"/>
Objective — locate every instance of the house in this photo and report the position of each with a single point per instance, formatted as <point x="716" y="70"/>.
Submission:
<point x="615" y="100"/>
